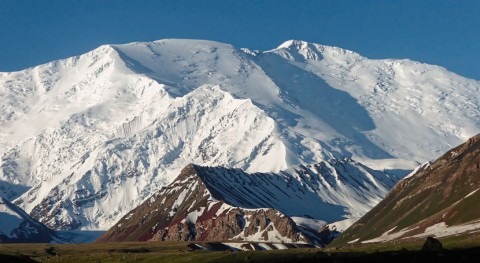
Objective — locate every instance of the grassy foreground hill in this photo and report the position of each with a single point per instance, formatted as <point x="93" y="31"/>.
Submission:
<point x="172" y="252"/>
<point x="441" y="199"/>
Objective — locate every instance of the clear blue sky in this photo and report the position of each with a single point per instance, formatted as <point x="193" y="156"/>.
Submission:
<point x="445" y="33"/>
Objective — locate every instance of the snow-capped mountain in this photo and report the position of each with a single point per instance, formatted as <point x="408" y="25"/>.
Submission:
<point x="218" y="204"/>
<point x="86" y="139"/>
<point x="16" y="226"/>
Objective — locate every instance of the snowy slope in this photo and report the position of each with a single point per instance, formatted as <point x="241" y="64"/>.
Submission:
<point x="418" y="111"/>
<point x="16" y="226"/>
<point x="94" y="135"/>
<point x="360" y="106"/>
<point x="125" y="170"/>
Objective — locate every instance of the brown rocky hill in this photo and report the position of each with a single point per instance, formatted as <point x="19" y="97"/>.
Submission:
<point x="185" y="211"/>
<point x="219" y="204"/>
<point x="439" y="199"/>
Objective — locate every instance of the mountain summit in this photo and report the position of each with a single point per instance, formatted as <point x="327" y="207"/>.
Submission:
<point x="86" y="139"/>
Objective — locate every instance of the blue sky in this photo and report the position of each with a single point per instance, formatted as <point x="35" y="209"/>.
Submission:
<point x="445" y="33"/>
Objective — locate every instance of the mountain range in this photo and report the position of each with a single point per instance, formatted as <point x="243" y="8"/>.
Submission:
<point x="85" y="140"/>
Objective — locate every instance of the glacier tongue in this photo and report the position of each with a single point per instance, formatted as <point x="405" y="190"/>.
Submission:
<point x="92" y="136"/>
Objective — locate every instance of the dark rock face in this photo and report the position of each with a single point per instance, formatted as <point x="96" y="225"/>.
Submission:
<point x="446" y="191"/>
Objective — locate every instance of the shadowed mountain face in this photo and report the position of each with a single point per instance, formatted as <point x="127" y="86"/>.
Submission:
<point x="439" y="199"/>
<point x="335" y="107"/>
<point x="218" y="204"/>
<point x="16" y="226"/>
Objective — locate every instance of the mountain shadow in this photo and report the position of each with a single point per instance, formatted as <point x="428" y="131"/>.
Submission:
<point x="335" y="107"/>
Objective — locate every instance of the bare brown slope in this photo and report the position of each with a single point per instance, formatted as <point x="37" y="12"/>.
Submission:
<point x="440" y="192"/>
<point x="185" y="210"/>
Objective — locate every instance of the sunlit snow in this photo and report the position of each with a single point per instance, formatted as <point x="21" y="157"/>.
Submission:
<point x="90" y="137"/>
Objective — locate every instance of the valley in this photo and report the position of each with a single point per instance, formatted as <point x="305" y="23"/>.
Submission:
<point x="464" y="249"/>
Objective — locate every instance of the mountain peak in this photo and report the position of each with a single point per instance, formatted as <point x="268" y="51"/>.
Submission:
<point x="298" y="44"/>
<point x="313" y="51"/>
